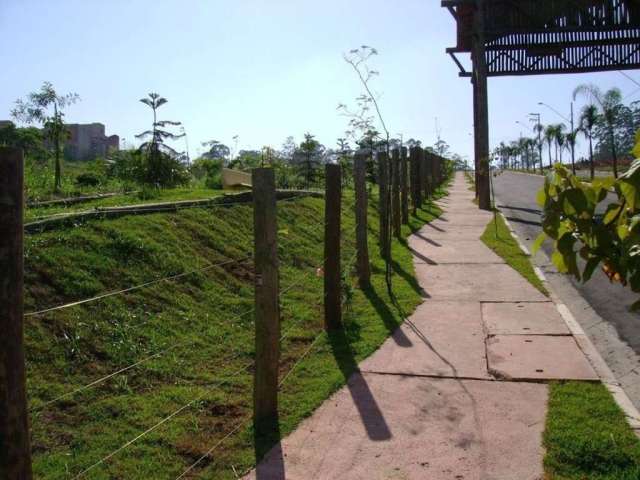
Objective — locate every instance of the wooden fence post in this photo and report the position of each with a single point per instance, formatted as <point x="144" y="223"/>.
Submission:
<point x="267" y="307"/>
<point x="15" y="449"/>
<point x="383" y="184"/>
<point x="434" y="174"/>
<point x="362" y="260"/>
<point x="404" y="195"/>
<point x="424" y="173"/>
<point x="395" y="194"/>
<point x="332" y="273"/>
<point x="415" y="175"/>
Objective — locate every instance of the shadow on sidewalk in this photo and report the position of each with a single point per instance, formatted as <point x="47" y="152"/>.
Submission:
<point x="422" y="257"/>
<point x="435" y="228"/>
<point x="268" y="450"/>
<point x="385" y="313"/>
<point x="370" y="413"/>
<point x="428" y="240"/>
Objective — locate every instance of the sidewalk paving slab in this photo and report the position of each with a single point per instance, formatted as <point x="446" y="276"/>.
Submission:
<point x="523" y="318"/>
<point x="440" y="338"/>
<point x="475" y="282"/>
<point x="457" y="251"/>
<point x="537" y="357"/>
<point x="388" y="427"/>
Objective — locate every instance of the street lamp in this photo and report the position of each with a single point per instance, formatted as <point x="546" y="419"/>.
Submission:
<point x="572" y="143"/>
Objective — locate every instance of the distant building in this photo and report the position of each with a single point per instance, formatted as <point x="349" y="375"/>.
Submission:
<point x="88" y="141"/>
<point x="6" y="123"/>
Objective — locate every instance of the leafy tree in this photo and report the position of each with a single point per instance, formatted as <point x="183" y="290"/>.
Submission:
<point x="29" y="140"/>
<point x="288" y="149"/>
<point x="209" y="169"/>
<point x="46" y="107"/>
<point x="610" y="105"/>
<point x="163" y="162"/>
<point x="217" y="151"/>
<point x="588" y="119"/>
<point x="246" y="160"/>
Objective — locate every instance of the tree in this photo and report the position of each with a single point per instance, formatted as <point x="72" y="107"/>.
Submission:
<point x="29" y="139"/>
<point x="163" y="164"/>
<point x="288" y="149"/>
<point x="308" y="155"/>
<point x="560" y="138"/>
<point x="217" y="151"/>
<point x="549" y="137"/>
<point x="571" y="138"/>
<point x="588" y="119"/>
<point x="610" y="105"/>
<point x="36" y="108"/>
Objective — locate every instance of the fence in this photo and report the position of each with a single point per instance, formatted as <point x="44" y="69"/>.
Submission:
<point x="403" y="178"/>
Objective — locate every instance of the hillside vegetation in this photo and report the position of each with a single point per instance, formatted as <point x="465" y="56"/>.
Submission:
<point x="189" y="341"/>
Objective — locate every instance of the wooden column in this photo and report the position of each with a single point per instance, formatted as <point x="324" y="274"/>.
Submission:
<point x="267" y="308"/>
<point x="481" y="126"/>
<point x="383" y="184"/>
<point x="414" y="163"/>
<point x="424" y="173"/>
<point x="430" y="180"/>
<point x="332" y="274"/>
<point x="404" y="189"/>
<point x="362" y="255"/>
<point x="395" y="194"/>
<point x="15" y="449"/>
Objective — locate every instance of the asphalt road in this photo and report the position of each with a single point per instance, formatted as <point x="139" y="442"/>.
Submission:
<point x="516" y="197"/>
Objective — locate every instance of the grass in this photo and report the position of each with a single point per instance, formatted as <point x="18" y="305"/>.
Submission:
<point x="498" y="238"/>
<point x="587" y="436"/>
<point x="203" y="320"/>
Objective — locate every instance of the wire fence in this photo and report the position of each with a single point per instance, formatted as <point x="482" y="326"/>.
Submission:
<point x="222" y="348"/>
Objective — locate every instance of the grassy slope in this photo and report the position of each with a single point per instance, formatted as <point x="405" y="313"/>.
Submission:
<point x="586" y="435"/>
<point x="199" y="315"/>
<point x="505" y="246"/>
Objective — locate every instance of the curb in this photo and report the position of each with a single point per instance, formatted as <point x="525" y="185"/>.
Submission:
<point x="584" y="343"/>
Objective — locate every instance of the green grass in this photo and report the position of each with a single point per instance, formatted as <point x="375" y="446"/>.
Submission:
<point x="201" y="316"/>
<point x="587" y="436"/>
<point x="505" y="246"/>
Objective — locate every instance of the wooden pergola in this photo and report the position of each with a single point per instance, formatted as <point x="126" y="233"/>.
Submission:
<point x="535" y="37"/>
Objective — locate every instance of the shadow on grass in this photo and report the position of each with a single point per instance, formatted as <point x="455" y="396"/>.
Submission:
<point x="410" y="279"/>
<point x="368" y="409"/>
<point x="385" y="313"/>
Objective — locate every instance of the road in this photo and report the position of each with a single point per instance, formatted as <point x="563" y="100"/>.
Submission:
<point x="600" y="306"/>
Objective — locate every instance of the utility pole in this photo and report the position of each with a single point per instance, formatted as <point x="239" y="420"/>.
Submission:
<point x="573" y="144"/>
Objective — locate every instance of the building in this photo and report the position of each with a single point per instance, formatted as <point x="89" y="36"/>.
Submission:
<point x="88" y="141"/>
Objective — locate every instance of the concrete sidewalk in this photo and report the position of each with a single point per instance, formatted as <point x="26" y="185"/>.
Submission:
<point x="458" y="392"/>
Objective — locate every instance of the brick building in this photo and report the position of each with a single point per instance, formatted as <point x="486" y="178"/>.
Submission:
<point x="88" y="141"/>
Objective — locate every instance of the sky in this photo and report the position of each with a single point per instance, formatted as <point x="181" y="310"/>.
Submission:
<point x="264" y="69"/>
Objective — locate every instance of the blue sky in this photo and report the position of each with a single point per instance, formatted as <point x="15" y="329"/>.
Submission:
<point x="261" y="69"/>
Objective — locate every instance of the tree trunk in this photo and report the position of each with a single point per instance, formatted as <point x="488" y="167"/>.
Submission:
<point x="614" y="154"/>
<point x="591" y="165"/>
